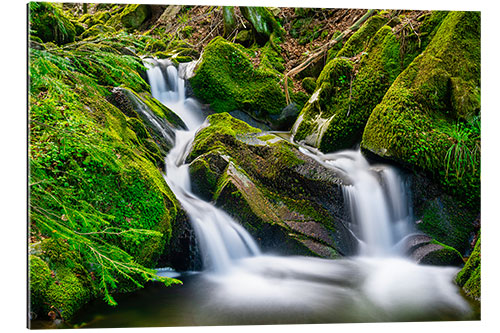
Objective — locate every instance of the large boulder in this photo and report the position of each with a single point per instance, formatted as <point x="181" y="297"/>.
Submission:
<point x="133" y="16"/>
<point x="429" y="119"/>
<point x="227" y="80"/>
<point x="286" y="200"/>
<point x="352" y="84"/>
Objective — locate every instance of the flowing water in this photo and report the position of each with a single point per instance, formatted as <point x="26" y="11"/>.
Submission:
<point x="240" y="285"/>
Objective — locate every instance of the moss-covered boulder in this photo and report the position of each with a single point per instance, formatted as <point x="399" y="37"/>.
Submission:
<point x="348" y="90"/>
<point x="469" y="278"/>
<point x="48" y="22"/>
<point x="286" y="200"/>
<point x="227" y="80"/>
<point x="133" y="16"/>
<point x="420" y="124"/>
<point x="361" y="38"/>
<point x="160" y="121"/>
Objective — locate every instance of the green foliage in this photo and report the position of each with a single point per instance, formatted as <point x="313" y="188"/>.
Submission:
<point x="92" y="183"/>
<point x="465" y="151"/>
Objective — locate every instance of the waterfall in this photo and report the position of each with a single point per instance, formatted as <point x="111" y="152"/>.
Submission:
<point x="377" y="285"/>
<point x="221" y="239"/>
<point x="376" y="200"/>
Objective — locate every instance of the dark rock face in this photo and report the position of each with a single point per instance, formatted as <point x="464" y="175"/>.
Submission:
<point x="285" y="199"/>
<point x="183" y="253"/>
<point x="440" y="215"/>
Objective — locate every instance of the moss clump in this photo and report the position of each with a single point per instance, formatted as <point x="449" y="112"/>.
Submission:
<point x="360" y="39"/>
<point x="133" y="16"/>
<point x="416" y="124"/>
<point x="48" y="22"/>
<point x="221" y="125"/>
<point x="444" y="256"/>
<point x="309" y="84"/>
<point x="97" y="30"/>
<point x="469" y="278"/>
<point x="355" y="101"/>
<point x="39" y="281"/>
<point x="227" y="80"/>
<point x="332" y="89"/>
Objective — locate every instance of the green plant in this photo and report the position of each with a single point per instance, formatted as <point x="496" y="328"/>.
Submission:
<point x="465" y="150"/>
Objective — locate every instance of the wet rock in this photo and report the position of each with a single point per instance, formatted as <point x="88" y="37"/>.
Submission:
<point x="290" y="203"/>
<point x="437" y="254"/>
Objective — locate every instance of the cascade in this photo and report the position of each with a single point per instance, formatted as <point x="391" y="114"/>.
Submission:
<point x="377" y="284"/>
<point x="376" y="200"/>
<point x="221" y="239"/>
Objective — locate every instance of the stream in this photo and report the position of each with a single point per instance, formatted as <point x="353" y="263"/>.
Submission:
<point x="241" y="285"/>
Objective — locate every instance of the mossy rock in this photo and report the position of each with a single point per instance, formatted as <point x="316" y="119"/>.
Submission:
<point x="416" y="123"/>
<point x="97" y="192"/>
<point x="280" y="195"/>
<point x="227" y="81"/>
<point x="133" y="16"/>
<point x="49" y="23"/>
<point x="361" y="38"/>
<point x="469" y="278"/>
<point x="337" y="118"/>
<point x="437" y="254"/>
<point x="97" y="30"/>
<point x="59" y="282"/>
<point x="39" y="281"/>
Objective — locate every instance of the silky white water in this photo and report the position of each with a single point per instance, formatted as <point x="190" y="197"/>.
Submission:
<point x="377" y="285"/>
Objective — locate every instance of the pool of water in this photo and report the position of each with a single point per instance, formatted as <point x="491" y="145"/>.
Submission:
<point x="290" y="290"/>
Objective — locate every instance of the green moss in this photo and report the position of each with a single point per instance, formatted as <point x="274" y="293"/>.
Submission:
<point x="39" y="281"/>
<point x="221" y="125"/>
<point x="469" y="278"/>
<point x="133" y="16"/>
<point x="444" y="256"/>
<point x="309" y="84"/>
<point x="48" y="22"/>
<point x="416" y="124"/>
<point x="361" y="38"/>
<point x="227" y="80"/>
<point x="204" y="179"/>
<point x="67" y="294"/>
<point x="97" y="30"/>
